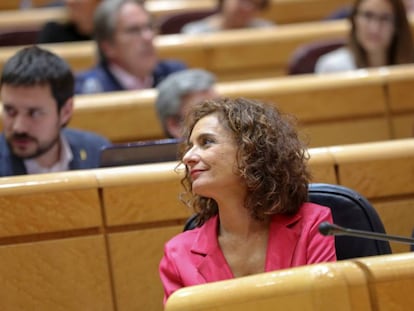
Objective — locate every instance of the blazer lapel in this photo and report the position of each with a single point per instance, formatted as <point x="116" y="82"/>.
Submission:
<point x="283" y="238"/>
<point x="208" y="257"/>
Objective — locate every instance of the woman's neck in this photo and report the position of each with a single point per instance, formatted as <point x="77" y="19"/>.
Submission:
<point x="377" y="59"/>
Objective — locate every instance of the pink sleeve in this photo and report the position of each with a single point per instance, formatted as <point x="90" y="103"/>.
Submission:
<point x="169" y="275"/>
<point x="320" y="248"/>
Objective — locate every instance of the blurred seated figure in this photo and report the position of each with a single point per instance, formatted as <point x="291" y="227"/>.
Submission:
<point x="304" y="57"/>
<point x="173" y="23"/>
<point x="37" y="103"/>
<point x="28" y="4"/>
<point x="178" y="93"/>
<point x="380" y="36"/>
<point x="231" y="14"/>
<point x="345" y="11"/>
<point x="124" y="34"/>
<point x="79" y="26"/>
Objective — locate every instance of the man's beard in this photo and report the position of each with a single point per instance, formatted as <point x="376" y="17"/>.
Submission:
<point x="39" y="151"/>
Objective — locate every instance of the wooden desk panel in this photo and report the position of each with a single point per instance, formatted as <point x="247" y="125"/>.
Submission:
<point x="377" y="170"/>
<point x="390" y="281"/>
<point x="398" y="218"/>
<point x="401" y="101"/>
<point x="45" y="203"/>
<point x="68" y="274"/>
<point x="141" y="194"/>
<point x="135" y="259"/>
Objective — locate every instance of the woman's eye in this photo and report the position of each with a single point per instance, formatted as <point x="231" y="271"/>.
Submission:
<point x="207" y="141"/>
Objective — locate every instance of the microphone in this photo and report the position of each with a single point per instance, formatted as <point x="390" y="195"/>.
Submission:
<point x="326" y="228"/>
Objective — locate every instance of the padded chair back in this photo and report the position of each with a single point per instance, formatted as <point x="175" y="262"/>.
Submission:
<point x="18" y="37"/>
<point x="349" y="209"/>
<point x="304" y="58"/>
<point x="172" y="23"/>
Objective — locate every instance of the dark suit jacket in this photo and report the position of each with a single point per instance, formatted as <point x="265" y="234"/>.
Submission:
<point x="53" y="32"/>
<point x="85" y="146"/>
<point x="100" y="79"/>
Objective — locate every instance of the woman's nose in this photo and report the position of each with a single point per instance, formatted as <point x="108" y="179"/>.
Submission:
<point x="190" y="157"/>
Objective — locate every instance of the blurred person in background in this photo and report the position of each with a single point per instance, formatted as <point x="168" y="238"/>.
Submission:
<point x="37" y="90"/>
<point x="231" y="14"/>
<point x="178" y="93"/>
<point x="380" y="36"/>
<point x="124" y="33"/>
<point x="78" y="27"/>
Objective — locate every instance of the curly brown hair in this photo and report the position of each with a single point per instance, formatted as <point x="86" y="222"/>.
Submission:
<point x="271" y="158"/>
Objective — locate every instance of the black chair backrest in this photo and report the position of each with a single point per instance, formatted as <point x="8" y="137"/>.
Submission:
<point x="18" y="37"/>
<point x="349" y="209"/>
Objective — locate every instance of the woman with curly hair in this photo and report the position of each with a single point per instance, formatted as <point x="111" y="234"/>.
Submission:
<point x="247" y="179"/>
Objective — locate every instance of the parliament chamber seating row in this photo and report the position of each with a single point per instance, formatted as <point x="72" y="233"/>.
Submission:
<point x="343" y="108"/>
<point x="92" y="239"/>
<point x="279" y="11"/>
<point x="261" y="53"/>
<point x="264" y="53"/>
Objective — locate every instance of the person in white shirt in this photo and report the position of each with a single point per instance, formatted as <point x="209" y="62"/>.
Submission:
<point x="380" y="36"/>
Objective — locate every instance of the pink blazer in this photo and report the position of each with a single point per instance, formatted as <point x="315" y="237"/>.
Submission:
<point x="194" y="257"/>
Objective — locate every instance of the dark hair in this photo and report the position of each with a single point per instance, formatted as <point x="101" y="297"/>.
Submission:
<point x="35" y="66"/>
<point x="401" y="49"/>
<point x="263" y="4"/>
<point x="271" y="158"/>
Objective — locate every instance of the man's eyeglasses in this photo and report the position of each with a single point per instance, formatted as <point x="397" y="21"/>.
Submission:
<point x="139" y="30"/>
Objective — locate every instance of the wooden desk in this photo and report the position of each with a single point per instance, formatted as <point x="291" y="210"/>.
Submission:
<point x="330" y="110"/>
<point x="52" y="255"/>
<point x="374" y="283"/>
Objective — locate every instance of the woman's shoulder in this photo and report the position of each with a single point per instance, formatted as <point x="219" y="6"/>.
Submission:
<point x="337" y="60"/>
<point x="183" y="239"/>
<point x="204" y="25"/>
<point x="313" y="210"/>
<point x="260" y="22"/>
